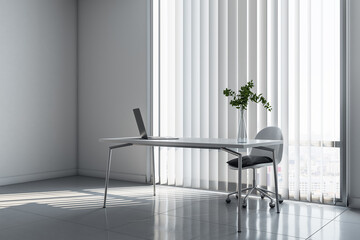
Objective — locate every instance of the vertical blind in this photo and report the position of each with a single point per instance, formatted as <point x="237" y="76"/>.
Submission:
<point x="289" y="48"/>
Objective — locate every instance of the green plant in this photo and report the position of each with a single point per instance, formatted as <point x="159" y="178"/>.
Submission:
<point x="241" y="100"/>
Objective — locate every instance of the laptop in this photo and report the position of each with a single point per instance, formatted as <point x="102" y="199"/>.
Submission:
<point x="142" y="130"/>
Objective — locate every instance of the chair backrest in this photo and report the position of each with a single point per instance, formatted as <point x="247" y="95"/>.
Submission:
<point x="271" y="133"/>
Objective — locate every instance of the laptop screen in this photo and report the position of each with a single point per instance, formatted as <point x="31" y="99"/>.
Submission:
<point x="140" y="123"/>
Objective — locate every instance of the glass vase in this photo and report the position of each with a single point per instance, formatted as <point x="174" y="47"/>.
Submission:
<point x="242" y="135"/>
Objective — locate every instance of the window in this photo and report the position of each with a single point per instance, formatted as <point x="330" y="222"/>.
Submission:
<point x="290" y="48"/>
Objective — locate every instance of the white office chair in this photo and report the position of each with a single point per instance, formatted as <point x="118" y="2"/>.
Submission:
<point x="261" y="158"/>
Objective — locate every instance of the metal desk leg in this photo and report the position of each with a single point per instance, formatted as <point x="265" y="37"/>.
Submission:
<point x="153" y="169"/>
<point x="276" y="183"/>
<point x="239" y="182"/>
<point x="239" y="186"/>
<point x="108" y="168"/>
<point x="107" y="176"/>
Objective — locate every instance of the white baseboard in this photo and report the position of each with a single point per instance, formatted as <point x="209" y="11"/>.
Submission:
<point x="36" y="176"/>
<point x="113" y="175"/>
<point x="354" y="202"/>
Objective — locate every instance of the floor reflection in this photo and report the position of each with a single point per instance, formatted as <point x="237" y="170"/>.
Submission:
<point x="74" y="205"/>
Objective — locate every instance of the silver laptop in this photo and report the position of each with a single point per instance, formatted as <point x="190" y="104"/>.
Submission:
<point x="142" y="130"/>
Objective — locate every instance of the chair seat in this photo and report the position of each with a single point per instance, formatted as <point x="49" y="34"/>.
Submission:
<point x="248" y="161"/>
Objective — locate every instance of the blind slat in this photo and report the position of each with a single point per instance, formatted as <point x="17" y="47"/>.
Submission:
<point x="223" y="83"/>
<point x="214" y="90"/>
<point x="204" y="93"/>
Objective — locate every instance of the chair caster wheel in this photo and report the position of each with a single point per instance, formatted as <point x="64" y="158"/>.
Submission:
<point x="281" y="201"/>
<point x="271" y="205"/>
<point x="228" y="200"/>
<point x="262" y="196"/>
<point x="244" y="205"/>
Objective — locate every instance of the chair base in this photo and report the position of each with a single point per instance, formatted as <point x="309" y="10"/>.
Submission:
<point x="263" y="193"/>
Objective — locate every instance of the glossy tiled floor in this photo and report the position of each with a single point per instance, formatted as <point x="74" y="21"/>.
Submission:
<point x="71" y="208"/>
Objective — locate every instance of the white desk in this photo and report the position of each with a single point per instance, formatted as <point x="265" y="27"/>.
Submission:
<point x="205" y="143"/>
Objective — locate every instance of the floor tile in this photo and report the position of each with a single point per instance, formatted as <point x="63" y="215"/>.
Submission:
<point x="49" y="229"/>
<point x="337" y="230"/>
<point x="296" y="208"/>
<point x="311" y="210"/>
<point x="110" y="217"/>
<point x="267" y="221"/>
<point x="12" y="218"/>
<point x="169" y="227"/>
<point x="108" y="235"/>
<point x="350" y="215"/>
<point x="53" y="211"/>
<point x="248" y="234"/>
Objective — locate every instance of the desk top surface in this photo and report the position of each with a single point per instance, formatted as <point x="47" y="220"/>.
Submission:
<point x="214" y="143"/>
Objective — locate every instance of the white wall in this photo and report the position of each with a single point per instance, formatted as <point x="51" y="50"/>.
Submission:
<point x="113" y="72"/>
<point x="37" y="89"/>
<point x="354" y="88"/>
